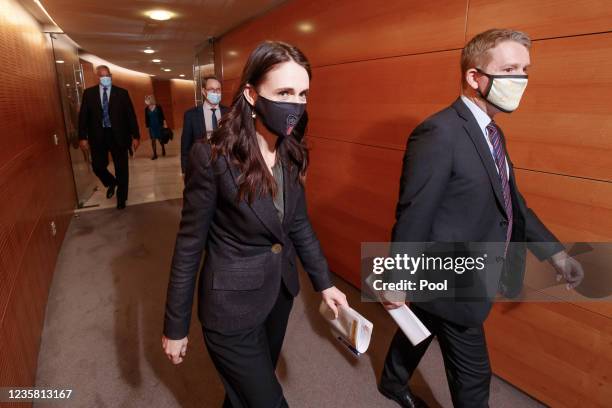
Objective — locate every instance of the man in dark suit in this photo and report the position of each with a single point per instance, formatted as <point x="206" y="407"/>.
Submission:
<point x="107" y="123"/>
<point x="458" y="185"/>
<point x="203" y="119"/>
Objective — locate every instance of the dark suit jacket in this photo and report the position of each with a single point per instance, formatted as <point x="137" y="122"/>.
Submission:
<point x="194" y="128"/>
<point x="248" y="250"/>
<point x="123" y="119"/>
<point x="160" y="111"/>
<point x="450" y="192"/>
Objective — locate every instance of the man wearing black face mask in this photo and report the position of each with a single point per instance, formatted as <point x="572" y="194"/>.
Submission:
<point x="458" y="185"/>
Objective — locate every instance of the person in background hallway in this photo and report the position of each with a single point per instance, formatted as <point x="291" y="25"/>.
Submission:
<point x="244" y="203"/>
<point x="155" y="121"/>
<point x="458" y="185"/>
<point x="202" y="120"/>
<point x="107" y="123"/>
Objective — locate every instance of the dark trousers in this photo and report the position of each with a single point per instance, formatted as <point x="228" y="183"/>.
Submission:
<point x="466" y="360"/>
<point x="246" y="360"/>
<point x="99" y="162"/>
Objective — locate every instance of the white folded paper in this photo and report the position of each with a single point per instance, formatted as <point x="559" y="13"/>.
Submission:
<point x="407" y="321"/>
<point x="410" y="324"/>
<point x="350" y="328"/>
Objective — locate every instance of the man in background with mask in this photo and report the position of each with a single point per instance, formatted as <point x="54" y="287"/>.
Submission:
<point x="201" y="121"/>
<point x="107" y="123"/>
<point x="458" y="185"/>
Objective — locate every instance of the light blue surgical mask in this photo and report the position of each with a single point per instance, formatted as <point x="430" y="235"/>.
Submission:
<point x="213" y="98"/>
<point x="106" y="81"/>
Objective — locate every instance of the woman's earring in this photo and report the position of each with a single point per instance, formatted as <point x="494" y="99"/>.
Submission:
<point x="253" y="115"/>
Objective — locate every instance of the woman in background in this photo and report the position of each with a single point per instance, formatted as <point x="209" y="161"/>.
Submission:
<point x="244" y="203"/>
<point x="154" y="121"/>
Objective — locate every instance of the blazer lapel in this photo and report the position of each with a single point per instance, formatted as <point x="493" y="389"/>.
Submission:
<point x="263" y="207"/>
<point x="473" y="130"/>
<point x="290" y="193"/>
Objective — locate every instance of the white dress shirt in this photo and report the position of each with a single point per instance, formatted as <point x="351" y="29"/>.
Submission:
<point x="483" y="121"/>
<point x="208" y="117"/>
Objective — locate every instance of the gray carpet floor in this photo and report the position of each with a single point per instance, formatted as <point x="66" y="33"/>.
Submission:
<point x="102" y="333"/>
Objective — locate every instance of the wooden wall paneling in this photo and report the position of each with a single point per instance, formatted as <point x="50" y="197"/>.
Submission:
<point x="163" y="96"/>
<point x="380" y="102"/>
<point x="350" y="30"/>
<point x="559" y="353"/>
<point x="183" y="98"/>
<point x="564" y="123"/>
<point x="37" y="186"/>
<point x="228" y="90"/>
<point x="542" y="18"/>
<point x="574" y="209"/>
<point x="351" y="199"/>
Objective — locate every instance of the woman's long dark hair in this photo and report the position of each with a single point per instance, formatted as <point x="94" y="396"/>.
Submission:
<point x="236" y="137"/>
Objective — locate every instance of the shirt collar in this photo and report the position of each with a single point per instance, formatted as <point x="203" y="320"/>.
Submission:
<point x="209" y="106"/>
<point x="102" y="88"/>
<point x="481" y="116"/>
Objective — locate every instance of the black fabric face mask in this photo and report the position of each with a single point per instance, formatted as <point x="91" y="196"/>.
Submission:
<point x="279" y="117"/>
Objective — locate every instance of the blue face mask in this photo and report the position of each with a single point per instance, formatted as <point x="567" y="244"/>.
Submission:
<point x="213" y="98"/>
<point x="105" y="81"/>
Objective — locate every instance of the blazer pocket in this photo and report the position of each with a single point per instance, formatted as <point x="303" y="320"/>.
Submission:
<point x="238" y="279"/>
<point x="248" y="275"/>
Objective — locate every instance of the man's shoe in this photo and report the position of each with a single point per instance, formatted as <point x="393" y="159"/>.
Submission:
<point x="120" y="205"/>
<point x="154" y="157"/>
<point x="405" y="398"/>
<point x="110" y="191"/>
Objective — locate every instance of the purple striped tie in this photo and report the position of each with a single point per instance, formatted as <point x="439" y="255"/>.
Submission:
<point x="500" y="161"/>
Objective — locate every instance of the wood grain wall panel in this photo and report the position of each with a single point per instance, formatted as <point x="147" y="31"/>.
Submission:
<point x="351" y="199"/>
<point x="36" y="185"/>
<point x="559" y="353"/>
<point x="380" y="102"/>
<point x="163" y="95"/>
<point x="565" y="120"/>
<point x="574" y="209"/>
<point x="542" y="18"/>
<point x="229" y="88"/>
<point x="183" y="98"/>
<point x="350" y="30"/>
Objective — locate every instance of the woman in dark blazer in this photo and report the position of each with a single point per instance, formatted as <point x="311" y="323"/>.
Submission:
<point x="155" y="121"/>
<point x="244" y="204"/>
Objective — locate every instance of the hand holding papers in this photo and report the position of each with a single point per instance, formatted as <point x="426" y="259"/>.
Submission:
<point x="407" y="321"/>
<point x="350" y="328"/>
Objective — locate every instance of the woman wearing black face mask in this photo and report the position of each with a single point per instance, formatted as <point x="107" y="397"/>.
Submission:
<point x="244" y="203"/>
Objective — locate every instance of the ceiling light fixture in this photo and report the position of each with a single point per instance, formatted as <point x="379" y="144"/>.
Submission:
<point x="166" y="69"/>
<point x="148" y="51"/>
<point x="232" y="53"/>
<point x="160" y="15"/>
<point x="182" y="75"/>
<point x="60" y="61"/>
<point x="305" y="27"/>
<point x="156" y="60"/>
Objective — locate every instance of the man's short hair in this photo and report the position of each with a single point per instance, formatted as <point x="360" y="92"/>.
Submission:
<point x="475" y="54"/>
<point x="101" y="67"/>
<point x="207" y="78"/>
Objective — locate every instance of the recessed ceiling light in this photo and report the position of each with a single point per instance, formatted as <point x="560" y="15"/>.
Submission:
<point x="305" y="27"/>
<point x="156" y="60"/>
<point x="148" y="51"/>
<point x="232" y="53"/>
<point x="166" y="69"/>
<point x="160" y="15"/>
<point x="152" y="75"/>
<point x="60" y="61"/>
<point x="182" y="75"/>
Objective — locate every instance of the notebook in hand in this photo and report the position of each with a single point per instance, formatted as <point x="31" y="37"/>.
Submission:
<point x="350" y="328"/>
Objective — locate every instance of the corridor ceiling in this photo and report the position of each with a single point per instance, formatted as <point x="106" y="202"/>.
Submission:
<point x="119" y="30"/>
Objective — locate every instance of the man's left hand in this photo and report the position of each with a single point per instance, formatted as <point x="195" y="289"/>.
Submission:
<point x="567" y="268"/>
<point x="135" y="144"/>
